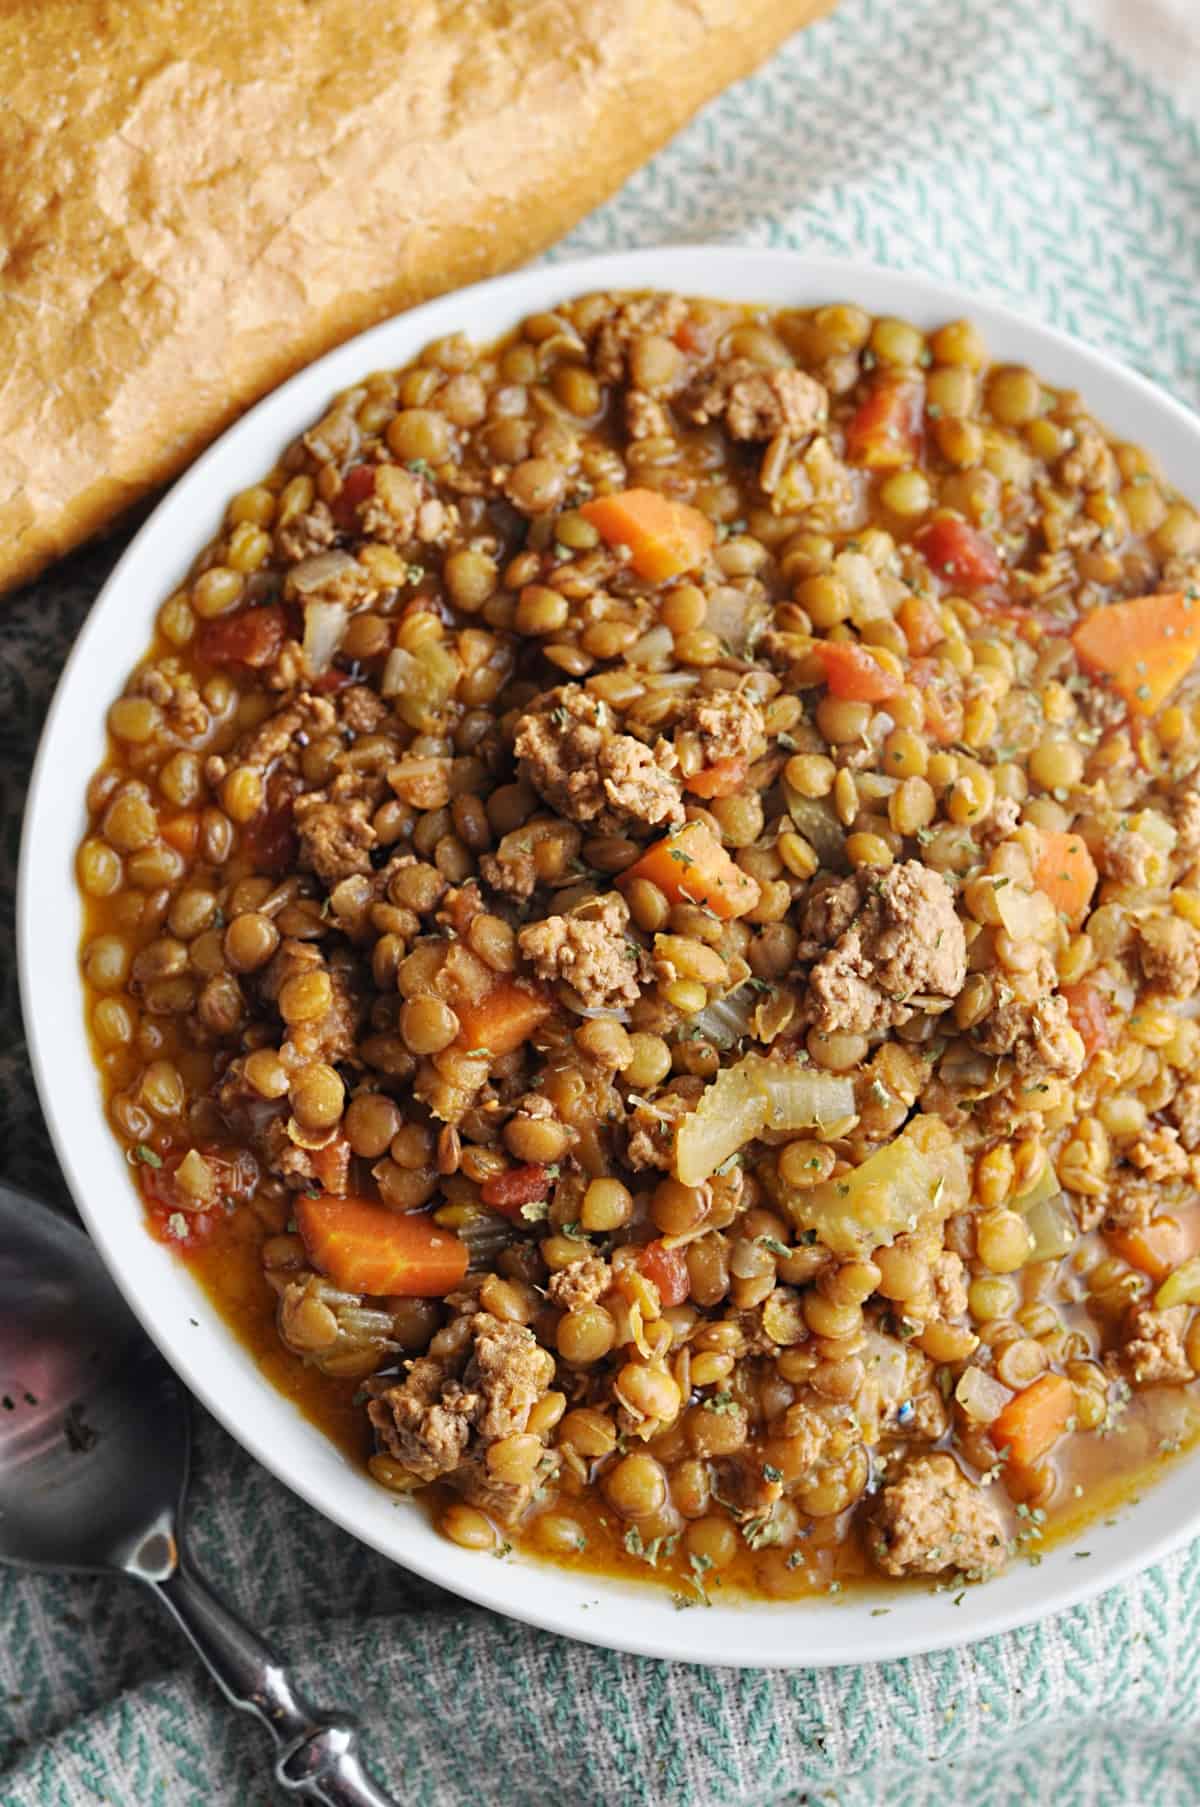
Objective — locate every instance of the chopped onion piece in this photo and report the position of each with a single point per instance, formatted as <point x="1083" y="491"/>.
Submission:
<point x="733" y="617"/>
<point x="816" y="821"/>
<point x="727" y="1019"/>
<point x="324" y="625"/>
<point x="981" y="1396"/>
<point x="886" y="1383"/>
<point x="195" y="1177"/>
<point x="1052" y="1227"/>
<point x="801" y="1097"/>
<point x="1046" y="1185"/>
<point x="1027" y="915"/>
<point x="1180" y="1288"/>
<point x="731" y="1112"/>
<point x="421" y="682"/>
<point x="918" y="1179"/>
<point x="654" y="648"/>
<point x="322" y="571"/>
<point x="749" y="1097"/>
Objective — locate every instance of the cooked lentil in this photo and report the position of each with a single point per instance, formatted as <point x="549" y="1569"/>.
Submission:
<point x="643" y="918"/>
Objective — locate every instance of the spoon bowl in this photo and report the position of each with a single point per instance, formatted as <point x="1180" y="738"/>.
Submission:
<point x="94" y="1441"/>
<point x="80" y="1479"/>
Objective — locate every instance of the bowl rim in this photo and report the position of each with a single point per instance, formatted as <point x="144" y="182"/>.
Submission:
<point x="589" y="1607"/>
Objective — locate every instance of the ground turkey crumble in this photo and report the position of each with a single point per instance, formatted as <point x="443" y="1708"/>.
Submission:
<point x="570" y="753"/>
<point x="1126" y="857"/>
<point x="513" y="868"/>
<point x="1153" y="1354"/>
<point x="644" y="417"/>
<point x="931" y="1518"/>
<point x="334" y="827"/>
<point x="880" y="942"/>
<point x="657" y="314"/>
<point x="581" y="1282"/>
<point x="1184" y="1111"/>
<point x="1129" y="1202"/>
<point x="723" y="725"/>
<point x="307" y="718"/>
<point x="651" y="1127"/>
<point x="949" y="1284"/>
<point x="1187" y="827"/>
<point x="757" y="403"/>
<point x="1169" y="952"/>
<point x="1036" y="1030"/>
<point x="590" y="951"/>
<point x="439" y="1421"/>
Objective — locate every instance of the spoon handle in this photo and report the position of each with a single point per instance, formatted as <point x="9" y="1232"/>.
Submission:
<point x="317" y="1756"/>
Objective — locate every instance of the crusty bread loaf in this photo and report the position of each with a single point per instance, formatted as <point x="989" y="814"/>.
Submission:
<point x="202" y="195"/>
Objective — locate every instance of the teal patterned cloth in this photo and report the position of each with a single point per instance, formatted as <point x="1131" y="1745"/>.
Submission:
<point x="1006" y="144"/>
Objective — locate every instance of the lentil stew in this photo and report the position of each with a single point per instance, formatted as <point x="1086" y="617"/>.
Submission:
<point x="641" y="919"/>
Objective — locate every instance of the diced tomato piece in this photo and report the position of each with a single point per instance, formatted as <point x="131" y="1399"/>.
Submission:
<point x="723" y="779"/>
<point x="171" y="1217"/>
<point x="184" y="1231"/>
<point x="852" y="671"/>
<point x="357" y="485"/>
<point x="1088" y="1014"/>
<point x="957" y="552"/>
<point x="668" y="1269"/>
<point x="943" y="705"/>
<point x="270" y="840"/>
<point x="510" y="1192"/>
<point x="332" y="680"/>
<point x="885" y="431"/>
<point x="251" y="637"/>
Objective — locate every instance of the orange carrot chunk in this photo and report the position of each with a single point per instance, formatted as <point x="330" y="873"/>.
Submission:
<point x="852" y="671"/>
<point x="722" y="779"/>
<point x="668" y="1269"/>
<point x="1144" y="647"/>
<point x="664" y="538"/>
<point x="691" y="866"/>
<point x="501" y="1021"/>
<point x="365" y="1248"/>
<point x="1066" y="872"/>
<point x="1035" y="1418"/>
<point x="884" y="432"/>
<point x="1160" y="1246"/>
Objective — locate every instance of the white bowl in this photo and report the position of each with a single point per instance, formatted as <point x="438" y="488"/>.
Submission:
<point x="158" y="1286"/>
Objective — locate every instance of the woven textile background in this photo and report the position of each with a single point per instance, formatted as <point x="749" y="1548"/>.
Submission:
<point x="1010" y="146"/>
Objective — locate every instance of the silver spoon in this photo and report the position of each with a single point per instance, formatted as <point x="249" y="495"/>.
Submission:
<point x="94" y="1438"/>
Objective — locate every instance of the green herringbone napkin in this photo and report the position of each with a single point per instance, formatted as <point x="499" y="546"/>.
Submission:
<point x="1007" y="144"/>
